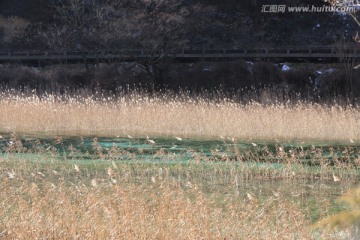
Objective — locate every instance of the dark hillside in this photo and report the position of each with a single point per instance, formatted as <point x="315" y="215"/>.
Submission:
<point x="208" y="23"/>
<point x="32" y="10"/>
<point x="154" y="25"/>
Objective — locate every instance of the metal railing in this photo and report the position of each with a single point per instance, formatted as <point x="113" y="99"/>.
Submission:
<point x="185" y="54"/>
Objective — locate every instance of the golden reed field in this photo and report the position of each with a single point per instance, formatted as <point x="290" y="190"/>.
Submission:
<point x="45" y="195"/>
<point x="140" y="115"/>
<point x="124" y="201"/>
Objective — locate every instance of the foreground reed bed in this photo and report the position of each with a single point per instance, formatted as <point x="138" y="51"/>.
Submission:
<point x="110" y="200"/>
<point x="141" y="115"/>
<point x="132" y="212"/>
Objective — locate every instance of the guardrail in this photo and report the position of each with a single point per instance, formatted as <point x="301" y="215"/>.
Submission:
<point x="319" y="53"/>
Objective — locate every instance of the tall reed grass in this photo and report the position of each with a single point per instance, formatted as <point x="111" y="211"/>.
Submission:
<point x="62" y="200"/>
<point x="141" y="115"/>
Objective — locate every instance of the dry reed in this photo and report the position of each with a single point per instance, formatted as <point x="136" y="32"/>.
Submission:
<point x="141" y="115"/>
<point x="60" y="200"/>
<point x="43" y="203"/>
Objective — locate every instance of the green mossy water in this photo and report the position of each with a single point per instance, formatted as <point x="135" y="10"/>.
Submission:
<point x="219" y="168"/>
<point x="184" y="150"/>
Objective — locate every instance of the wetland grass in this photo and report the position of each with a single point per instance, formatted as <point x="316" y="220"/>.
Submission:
<point x="116" y="200"/>
<point x="59" y="189"/>
<point x="139" y="115"/>
<point x="47" y="192"/>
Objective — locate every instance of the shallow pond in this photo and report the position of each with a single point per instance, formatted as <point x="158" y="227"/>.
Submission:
<point x="176" y="149"/>
<point x="212" y="166"/>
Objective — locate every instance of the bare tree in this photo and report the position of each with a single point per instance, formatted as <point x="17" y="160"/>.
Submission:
<point x="151" y="25"/>
<point x="352" y="5"/>
<point x="354" y="9"/>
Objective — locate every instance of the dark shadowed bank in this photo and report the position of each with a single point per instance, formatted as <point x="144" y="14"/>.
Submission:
<point x="93" y="25"/>
<point x="264" y="82"/>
